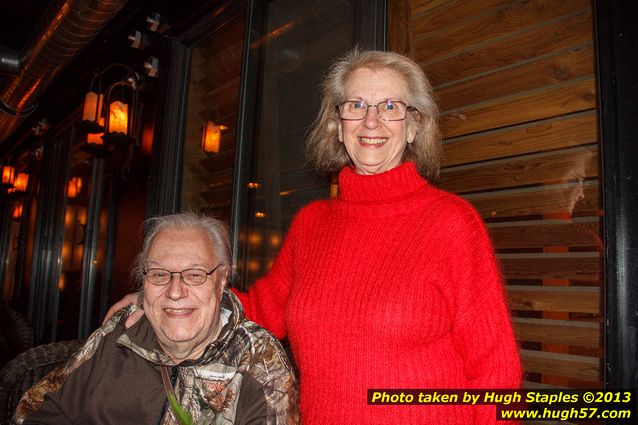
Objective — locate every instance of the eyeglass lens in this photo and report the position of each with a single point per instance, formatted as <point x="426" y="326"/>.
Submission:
<point x="387" y="110"/>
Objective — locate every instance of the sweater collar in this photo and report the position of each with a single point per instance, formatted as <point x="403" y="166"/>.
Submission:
<point x="395" y="183"/>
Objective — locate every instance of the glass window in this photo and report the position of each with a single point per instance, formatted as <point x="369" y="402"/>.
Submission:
<point x="211" y="121"/>
<point x="301" y="39"/>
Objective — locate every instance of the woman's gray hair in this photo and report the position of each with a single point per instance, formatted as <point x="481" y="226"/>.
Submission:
<point x="215" y="229"/>
<point x="326" y="154"/>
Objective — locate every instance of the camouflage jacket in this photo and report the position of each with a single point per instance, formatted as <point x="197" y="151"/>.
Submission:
<point x="243" y="377"/>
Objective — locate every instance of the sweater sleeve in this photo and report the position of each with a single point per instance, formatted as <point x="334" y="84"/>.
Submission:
<point x="482" y="329"/>
<point x="265" y="301"/>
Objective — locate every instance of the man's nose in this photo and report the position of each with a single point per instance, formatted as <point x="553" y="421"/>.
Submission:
<point x="177" y="288"/>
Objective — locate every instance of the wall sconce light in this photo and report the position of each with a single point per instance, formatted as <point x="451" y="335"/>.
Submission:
<point x="17" y="211"/>
<point x="211" y="137"/>
<point x="110" y="116"/>
<point x="20" y="183"/>
<point x="8" y="176"/>
<point x="75" y="187"/>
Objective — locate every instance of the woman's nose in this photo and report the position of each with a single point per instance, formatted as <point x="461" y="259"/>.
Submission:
<point x="372" y="119"/>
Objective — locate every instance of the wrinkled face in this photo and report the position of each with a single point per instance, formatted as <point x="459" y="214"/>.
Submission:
<point x="185" y="318"/>
<point x="374" y="145"/>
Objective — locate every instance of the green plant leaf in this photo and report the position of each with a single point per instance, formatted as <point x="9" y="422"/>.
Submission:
<point x="183" y="416"/>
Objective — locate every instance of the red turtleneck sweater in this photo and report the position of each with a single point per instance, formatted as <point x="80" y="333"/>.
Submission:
<point x="393" y="284"/>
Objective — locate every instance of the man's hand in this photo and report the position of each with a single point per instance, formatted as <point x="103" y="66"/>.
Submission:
<point x="128" y="299"/>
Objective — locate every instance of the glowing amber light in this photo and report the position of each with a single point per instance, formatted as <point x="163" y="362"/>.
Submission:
<point x="96" y="139"/>
<point x="211" y="137"/>
<point x="75" y="187"/>
<point x="21" y="181"/>
<point x="118" y="117"/>
<point x="260" y="214"/>
<point x="92" y="107"/>
<point x="8" y="174"/>
<point x="17" y="211"/>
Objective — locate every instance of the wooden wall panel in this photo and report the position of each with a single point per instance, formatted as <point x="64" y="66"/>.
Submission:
<point x="555" y="133"/>
<point x="516" y="84"/>
<point x="573" y="64"/>
<point x="582" y="266"/>
<point x="436" y="16"/>
<point x="576" y="232"/>
<point x="569" y="33"/>
<point x="572" y="332"/>
<point x="582" y="299"/>
<point x="460" y="35"/>
<point x="562" y="198"/>
<point x="569" y="365"/>
<point x="546" y="167"/>
<point x="559" y="100"/>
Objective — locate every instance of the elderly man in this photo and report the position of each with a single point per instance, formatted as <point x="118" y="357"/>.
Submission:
<point x="193" y="358"/>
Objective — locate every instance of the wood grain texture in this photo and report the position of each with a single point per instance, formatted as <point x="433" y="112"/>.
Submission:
<point x="553" y="133"/>
<point x="577" y="232"/>
<point x="545" y="71"/>
<point x="435" y="16"/>
<point x="564" y="34"/>
<point x="463" y="35"/>
<point x="584" y="266"/>
<point x="556" y="199"/>
<point x="576" y="299"/>
<point x="558" y="364"/>
<point x="529" y="106"/>
<point x="399" y="25"/>
<point x="568" y="332"/>
<point x="551" y="167"/>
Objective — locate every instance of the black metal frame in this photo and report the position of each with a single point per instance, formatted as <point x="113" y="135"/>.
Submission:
<point x="251" y="65"/>
<point x="44" y="294"/>
<point x="91" y="241"/>
<point x="370" y="24"/>
<point x="616" y="40"/>
<point x="168" y="142"/>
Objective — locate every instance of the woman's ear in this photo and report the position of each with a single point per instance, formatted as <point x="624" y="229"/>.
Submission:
<point x="340" y="134"/>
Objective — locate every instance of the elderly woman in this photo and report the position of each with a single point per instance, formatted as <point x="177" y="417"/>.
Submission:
<point x="193" y="359"/>
<point x="393" y="284"/>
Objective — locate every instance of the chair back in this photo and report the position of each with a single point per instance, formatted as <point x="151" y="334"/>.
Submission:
<point x="27" y="369"/>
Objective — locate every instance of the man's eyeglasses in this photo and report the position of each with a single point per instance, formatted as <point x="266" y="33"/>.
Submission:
<point x="388" y="110"/>
<point x="191" y="277"/>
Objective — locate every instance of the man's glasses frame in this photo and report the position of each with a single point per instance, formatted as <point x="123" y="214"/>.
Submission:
<point x="158" y="279"/>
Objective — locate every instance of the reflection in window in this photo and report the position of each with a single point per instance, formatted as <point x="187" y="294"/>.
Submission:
<point x="302" y="39"/>
<point x="211" y="123"/>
